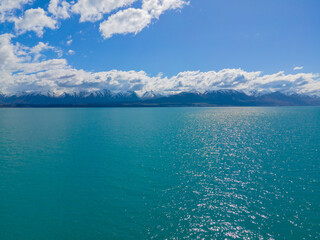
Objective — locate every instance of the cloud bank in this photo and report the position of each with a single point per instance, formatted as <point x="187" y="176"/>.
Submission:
<point x="25" y="69"/>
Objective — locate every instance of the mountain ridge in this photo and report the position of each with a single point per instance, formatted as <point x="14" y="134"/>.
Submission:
<point x="106" y="98"/>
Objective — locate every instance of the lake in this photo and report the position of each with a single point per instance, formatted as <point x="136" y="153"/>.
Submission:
<point x="160" y="173"/>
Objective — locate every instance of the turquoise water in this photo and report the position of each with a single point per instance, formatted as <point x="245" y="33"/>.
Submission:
<point x="160" y="173"/>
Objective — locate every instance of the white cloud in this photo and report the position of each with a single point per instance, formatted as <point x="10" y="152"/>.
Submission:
<point x="93" y="10"/>
<point x="7" y="8"/>
<point x="69" y="42"/>
<point x="127" y="21"/>
<point x="132" y="20"/>
<point x="157" y="7"/>
<point x="34" y="20"/>
<point x="21" y="69"/>
<point x="39" y="48"/>
<point x="297" y="68"/>
<point x="59" y="8"/>
<point x="71" y="52"/>
<point x="8" y="53"/>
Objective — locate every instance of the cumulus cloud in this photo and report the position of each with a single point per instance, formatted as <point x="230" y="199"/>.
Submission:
<point x="297" y="68"/>
<point x="60" y="9"/>
<point x="157" y="7"/>
<point x="8" y="52"/>
<point x="34" y="20"/>
<point x="93" y="10"/>
<point x="132" y="20"/>
<point x="37" y="50"/>
<point x="18" y="61"/>
<point x="7" y="8"/>
<point x="127" y="21"/>
<point x="23" y="70"/>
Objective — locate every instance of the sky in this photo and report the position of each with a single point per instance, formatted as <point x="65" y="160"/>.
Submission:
<point x="164" y="46"/>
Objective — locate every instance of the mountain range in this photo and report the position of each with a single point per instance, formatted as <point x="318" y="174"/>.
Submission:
<point x="107" y="98"/>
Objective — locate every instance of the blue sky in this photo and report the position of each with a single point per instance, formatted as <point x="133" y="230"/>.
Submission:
<point x="267" y="36"/>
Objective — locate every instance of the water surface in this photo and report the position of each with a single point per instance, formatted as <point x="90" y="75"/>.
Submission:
<point x="160" y="173"/>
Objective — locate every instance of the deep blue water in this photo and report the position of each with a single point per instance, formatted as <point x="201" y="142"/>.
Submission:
<point x="162" y="173"/>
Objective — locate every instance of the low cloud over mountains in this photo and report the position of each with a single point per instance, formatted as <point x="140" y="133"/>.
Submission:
<point x="26" y="69"/>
